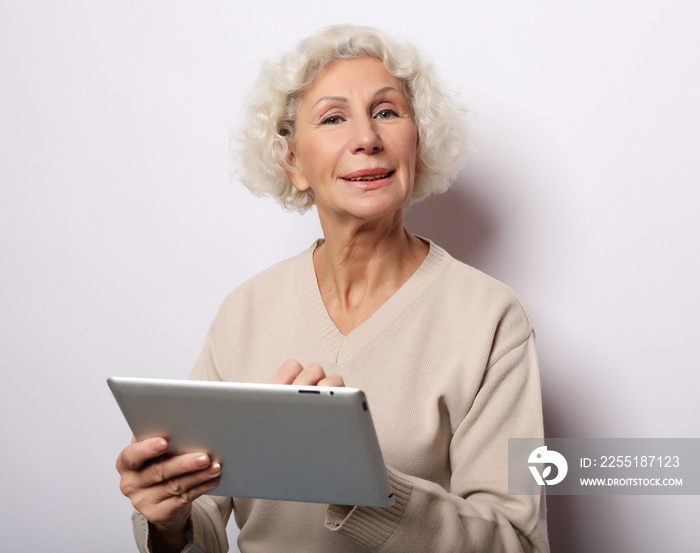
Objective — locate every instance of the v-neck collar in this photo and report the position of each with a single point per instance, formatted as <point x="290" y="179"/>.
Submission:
<point x="339" y="347"/>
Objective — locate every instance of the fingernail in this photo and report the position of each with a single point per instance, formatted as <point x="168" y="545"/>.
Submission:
<point x="201" y="460"/>
<point x="214" y="470"/>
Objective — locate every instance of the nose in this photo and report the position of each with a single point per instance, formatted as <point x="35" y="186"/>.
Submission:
<point x="365" y="138"/>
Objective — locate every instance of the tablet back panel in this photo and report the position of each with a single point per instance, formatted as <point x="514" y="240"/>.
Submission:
<point x="295" y="443"/>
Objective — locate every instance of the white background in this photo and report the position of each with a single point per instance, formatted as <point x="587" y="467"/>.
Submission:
<point x="122" y="231"/>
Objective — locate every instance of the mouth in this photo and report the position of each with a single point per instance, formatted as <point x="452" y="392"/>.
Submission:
<point x="368" y="175"/>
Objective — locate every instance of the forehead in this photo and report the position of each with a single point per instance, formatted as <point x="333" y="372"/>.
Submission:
<point x="351" y="77"/>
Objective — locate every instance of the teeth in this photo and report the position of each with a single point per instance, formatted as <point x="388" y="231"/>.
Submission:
<point x="371" y="178"/>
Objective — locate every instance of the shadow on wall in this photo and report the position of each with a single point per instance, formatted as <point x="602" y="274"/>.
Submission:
<point x="563" y="514"/>
<point x="461" y="224"/>
<point x="466" y="225"/>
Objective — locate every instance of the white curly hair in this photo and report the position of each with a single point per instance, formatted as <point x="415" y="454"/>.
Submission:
<point x="261" y="150"/>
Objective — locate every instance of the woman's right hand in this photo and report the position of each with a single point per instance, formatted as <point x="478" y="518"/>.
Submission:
<point x="293" y="372"/>
<point x="162" y="488"/>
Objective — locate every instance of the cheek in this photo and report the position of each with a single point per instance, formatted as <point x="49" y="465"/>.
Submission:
<point x="409" y="144"/>
<point x="413" y="157"/>
<point x="313" y="155"/>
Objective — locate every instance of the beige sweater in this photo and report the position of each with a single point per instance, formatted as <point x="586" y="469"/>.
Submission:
<point x="449" y="368"/>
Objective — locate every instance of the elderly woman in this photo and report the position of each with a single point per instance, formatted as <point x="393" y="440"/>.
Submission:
<point x="358" y="125"/>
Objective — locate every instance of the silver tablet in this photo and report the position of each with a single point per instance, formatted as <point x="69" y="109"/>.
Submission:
<point x="294" y="443"/>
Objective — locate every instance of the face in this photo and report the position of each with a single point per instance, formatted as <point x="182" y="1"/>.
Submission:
<point x="356" y="142"/>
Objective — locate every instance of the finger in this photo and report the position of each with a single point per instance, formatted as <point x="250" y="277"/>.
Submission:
<point x="188" y="486"/>
<point x="332" y="380"/>
<point x="173" y="467"/>
<point x="133" y="457"/>
<point x="170" y="508"/>
<point x="135" y="482"/>
<point x="287" y="372"/>
<point x="310" y="376"/>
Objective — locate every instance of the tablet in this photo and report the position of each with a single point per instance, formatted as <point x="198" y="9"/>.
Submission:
<point x="293" y="443"/>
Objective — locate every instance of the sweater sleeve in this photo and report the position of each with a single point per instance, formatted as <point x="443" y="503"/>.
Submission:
<point x="476" y="513"/>
<point x="207" y="529"/>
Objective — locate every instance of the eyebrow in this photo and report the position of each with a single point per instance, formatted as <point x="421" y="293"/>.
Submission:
<point x="345" y="100"/>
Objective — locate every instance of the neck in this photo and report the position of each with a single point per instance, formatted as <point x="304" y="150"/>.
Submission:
<point x="360" y="266"/>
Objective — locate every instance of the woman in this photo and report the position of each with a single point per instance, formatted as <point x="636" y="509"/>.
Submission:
<point x="358" y="125"/>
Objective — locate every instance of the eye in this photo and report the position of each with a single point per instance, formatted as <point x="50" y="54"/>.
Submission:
<point x="386" y="114"/>
<point x="332" y="120"/>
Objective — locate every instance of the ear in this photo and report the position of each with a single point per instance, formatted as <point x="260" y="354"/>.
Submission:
<point x="295" y="176"/>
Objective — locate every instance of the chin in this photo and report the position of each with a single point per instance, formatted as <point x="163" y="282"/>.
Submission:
<point x="377" y="208"/>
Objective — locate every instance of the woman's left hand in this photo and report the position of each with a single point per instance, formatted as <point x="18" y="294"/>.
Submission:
<point x="292" y="372"/>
